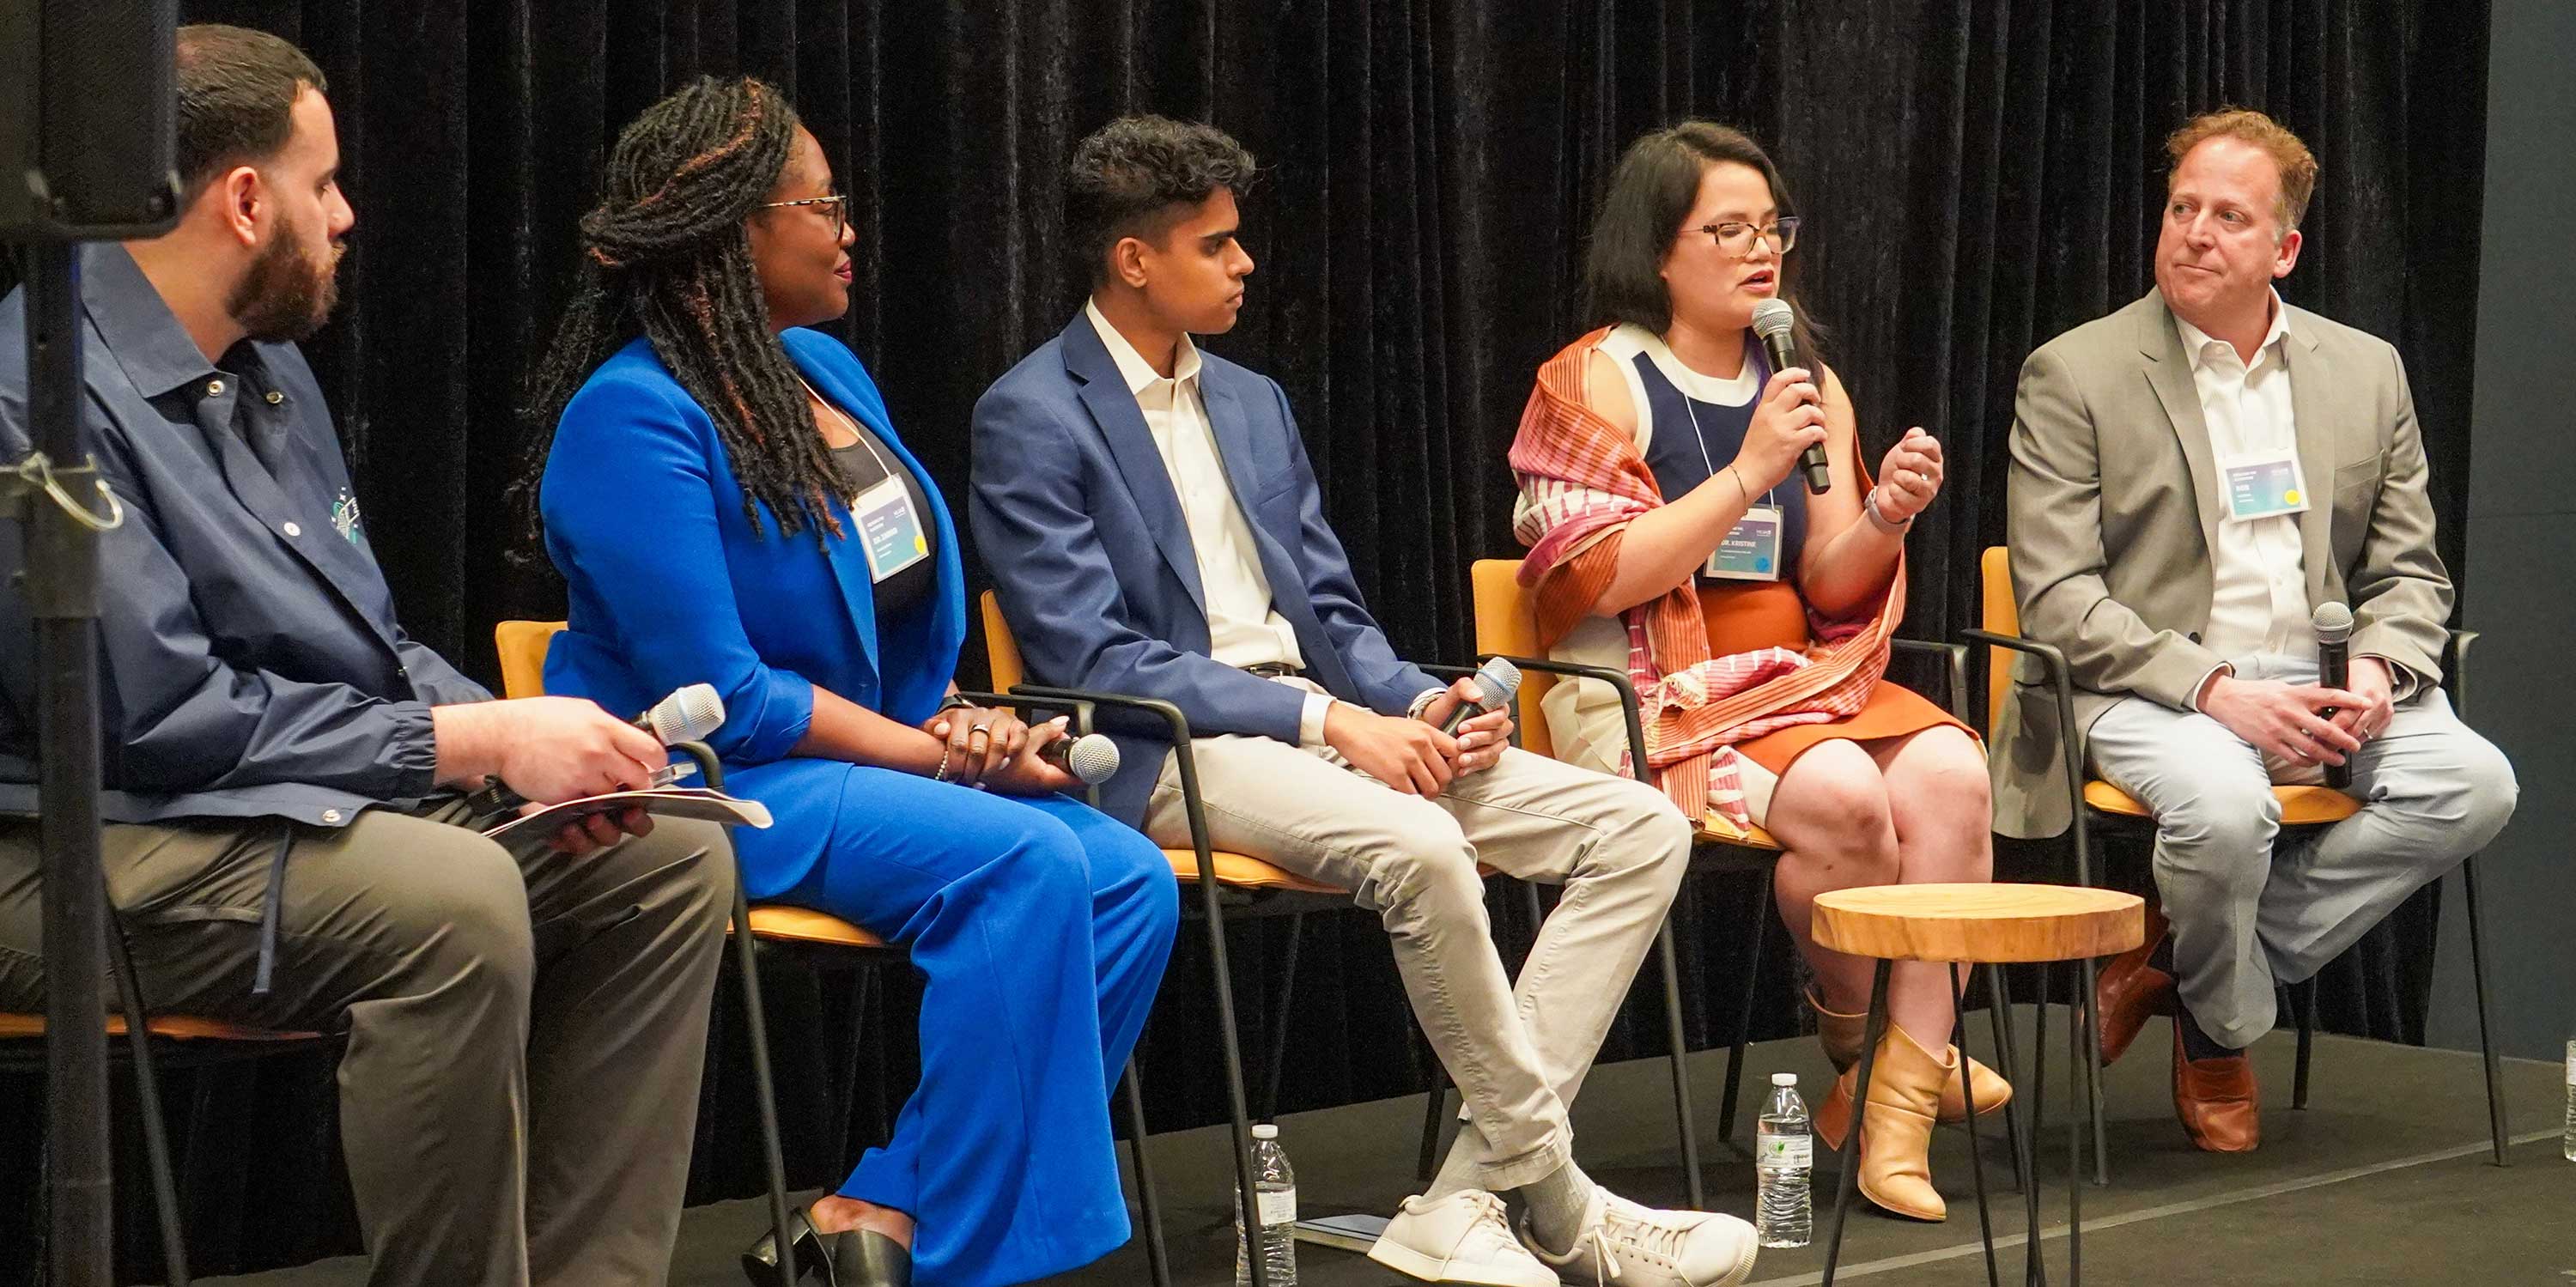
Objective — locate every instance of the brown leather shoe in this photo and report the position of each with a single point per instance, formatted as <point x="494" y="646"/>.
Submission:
<point x="2129" y="991"/>
<point x="2216" y="1099"/>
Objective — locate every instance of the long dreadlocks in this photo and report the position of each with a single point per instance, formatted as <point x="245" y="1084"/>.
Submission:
<point x="666" y="254"/>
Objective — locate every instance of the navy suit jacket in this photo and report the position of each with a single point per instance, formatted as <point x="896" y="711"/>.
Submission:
<point x="1078" y="521"/>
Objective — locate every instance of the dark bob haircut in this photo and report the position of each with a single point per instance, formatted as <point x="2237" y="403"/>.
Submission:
<point x="1138" y="176"/>
<point x="1651" y="193"/>
<point x="237" y="90"/>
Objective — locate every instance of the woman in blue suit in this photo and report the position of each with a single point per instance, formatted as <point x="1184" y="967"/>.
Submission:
<point x="728" y="502"/>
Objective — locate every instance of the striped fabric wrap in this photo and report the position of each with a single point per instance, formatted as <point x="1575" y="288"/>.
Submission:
<point x="1581" y="481"/>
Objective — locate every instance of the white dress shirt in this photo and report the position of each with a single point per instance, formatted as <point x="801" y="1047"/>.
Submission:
<point x="2259" y="588"/>
<point x="1244" y="628"/>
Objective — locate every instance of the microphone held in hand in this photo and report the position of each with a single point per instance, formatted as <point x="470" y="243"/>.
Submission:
<point x="2333" y="624"/>
<point x="687" y="715"/>
<point x="1497" y="682"/>
<point x="1091" y="758"/>
<point x="1775" y="322"/>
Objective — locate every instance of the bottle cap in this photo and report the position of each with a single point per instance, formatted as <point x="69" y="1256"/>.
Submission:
<point x="1265" y="1131"/>
<point x="1784" y="1079"/>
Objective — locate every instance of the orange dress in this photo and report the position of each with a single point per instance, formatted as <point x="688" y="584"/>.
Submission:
<point x="1743" y="616"/>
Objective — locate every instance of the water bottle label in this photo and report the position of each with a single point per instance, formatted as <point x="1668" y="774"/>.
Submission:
<point x="1787" y="1151"/>
<point x="1279" y="1207"/>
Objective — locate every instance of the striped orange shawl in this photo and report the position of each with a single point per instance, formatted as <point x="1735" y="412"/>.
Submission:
<point x="1581" y="481"/>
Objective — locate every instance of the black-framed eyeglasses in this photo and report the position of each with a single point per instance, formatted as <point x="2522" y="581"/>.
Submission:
<point x="839" y="203"/>
<point x="1737" y="238"/>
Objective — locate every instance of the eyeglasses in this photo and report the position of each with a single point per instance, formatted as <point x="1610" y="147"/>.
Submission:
<point x="1737" y="238"/>
<point x="838" y="201"/>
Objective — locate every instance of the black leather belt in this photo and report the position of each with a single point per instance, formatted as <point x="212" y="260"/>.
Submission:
<point x="1272" y="670"/>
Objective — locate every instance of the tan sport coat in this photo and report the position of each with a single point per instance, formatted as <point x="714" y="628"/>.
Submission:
<point x="2114" y="508"/>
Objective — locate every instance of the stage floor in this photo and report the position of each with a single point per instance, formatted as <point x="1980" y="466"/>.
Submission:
<point x="2385" y="1178"/>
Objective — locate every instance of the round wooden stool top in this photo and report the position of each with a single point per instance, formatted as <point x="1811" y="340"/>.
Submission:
<point x="1982" y="923"/>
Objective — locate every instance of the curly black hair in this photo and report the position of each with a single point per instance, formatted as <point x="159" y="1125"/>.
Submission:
<point x="1137" y="176"/>
<point x="666" y="254"/>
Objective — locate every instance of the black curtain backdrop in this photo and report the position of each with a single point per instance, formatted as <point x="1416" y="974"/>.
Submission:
<point x="1977" y="176"/>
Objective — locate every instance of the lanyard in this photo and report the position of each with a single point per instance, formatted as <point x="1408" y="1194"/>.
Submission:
<point x="865" y="438"/>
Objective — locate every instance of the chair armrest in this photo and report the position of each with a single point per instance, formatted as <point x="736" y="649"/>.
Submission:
<point x="1954" y="662"/>
<point x="1618" y="679"/>
<point x="1079" y="708"/>
<point x="2061" y="685"/>
<point x="1178" y="726"/>
<point x="2455" y="669"/>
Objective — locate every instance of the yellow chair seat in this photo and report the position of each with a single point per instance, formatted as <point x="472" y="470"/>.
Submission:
<point x="1753" y="838"/>
<point x="2301" y="806"/>
<point x="1243" y="872"/>
<point x="805" y="925"/>
<point x="177" y="1027"/>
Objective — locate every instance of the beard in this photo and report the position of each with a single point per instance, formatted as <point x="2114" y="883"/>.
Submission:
<point x="286" y="295"/>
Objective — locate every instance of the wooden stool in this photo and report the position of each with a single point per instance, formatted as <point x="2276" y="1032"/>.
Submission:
<point x="1986" y="925"/>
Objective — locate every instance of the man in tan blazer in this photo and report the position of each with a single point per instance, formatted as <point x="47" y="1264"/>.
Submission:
<point x="2191" y="476"/>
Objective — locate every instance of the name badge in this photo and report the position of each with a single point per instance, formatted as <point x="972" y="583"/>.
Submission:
<point x="2264" y="485"/>
<point x="1751" y="550"/>
<point x="889" y="529"/>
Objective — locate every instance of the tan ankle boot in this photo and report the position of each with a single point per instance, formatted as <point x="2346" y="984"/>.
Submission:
<point x="1842" y="1035"/>
<point x="1896" y="1138"/>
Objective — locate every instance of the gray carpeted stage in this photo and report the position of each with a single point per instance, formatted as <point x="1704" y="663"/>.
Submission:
<point x="2384" y="1179"/>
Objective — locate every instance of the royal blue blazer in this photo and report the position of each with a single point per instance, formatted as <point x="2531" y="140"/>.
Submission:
<point x="670" y="585"/>
<point x="1077" y="520"/>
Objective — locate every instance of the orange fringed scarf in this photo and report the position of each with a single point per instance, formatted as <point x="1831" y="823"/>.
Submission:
<point x="1584" y="480"/>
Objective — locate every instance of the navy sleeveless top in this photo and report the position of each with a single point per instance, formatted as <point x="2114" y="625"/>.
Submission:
<point x="1673" y="453"/>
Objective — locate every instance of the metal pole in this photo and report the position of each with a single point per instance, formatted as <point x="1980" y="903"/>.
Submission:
<point x="62" y="596"/>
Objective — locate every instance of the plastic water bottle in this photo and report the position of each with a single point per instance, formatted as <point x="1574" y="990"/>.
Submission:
<point x="1275" y="1185"/>
<point x="2567" y="1142"/>
<point x="1784" y="1156"/>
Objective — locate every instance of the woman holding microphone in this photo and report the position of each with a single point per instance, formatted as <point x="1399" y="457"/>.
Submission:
<point x="1672" y="536"/>
<point x="728" y="502"/>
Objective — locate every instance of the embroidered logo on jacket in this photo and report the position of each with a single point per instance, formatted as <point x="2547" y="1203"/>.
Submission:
<point x="345" y="517"/>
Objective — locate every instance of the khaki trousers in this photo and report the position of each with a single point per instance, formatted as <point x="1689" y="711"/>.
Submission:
<point x="525" y="1028"/>
<point x="1518" y="1052"/>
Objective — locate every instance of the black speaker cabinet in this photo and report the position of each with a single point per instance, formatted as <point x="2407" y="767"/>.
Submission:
<point x="86" y="119"/>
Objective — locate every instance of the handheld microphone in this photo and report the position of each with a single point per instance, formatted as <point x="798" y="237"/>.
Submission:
<point x="2333" y="624"/>
<point x="1091" y="758"/>
<point x="1773" y="320"/>
<point x="687" y="715"/>
<point x="1497" y="682"/>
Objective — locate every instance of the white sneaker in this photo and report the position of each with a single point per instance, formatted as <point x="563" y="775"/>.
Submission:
<point x="1461" y="1238"/>
<point x="1639" y="1246"/>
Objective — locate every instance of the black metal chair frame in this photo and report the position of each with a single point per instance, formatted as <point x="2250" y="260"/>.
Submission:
<point x="2060" y="682"/>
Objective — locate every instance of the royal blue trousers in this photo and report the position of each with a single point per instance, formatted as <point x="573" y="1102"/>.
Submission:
<point x="1042" y="927"/>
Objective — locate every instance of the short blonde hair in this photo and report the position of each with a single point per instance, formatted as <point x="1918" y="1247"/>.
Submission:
<point x="2298" y="166"/>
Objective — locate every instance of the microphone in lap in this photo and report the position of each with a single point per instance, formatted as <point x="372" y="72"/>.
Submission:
<point x="1497" y="682"/>
<point x="1773" y="320"/>
<point x="2333" y="624"/>
<point x="687" y="715"/>
<point x="1091" y="758"/>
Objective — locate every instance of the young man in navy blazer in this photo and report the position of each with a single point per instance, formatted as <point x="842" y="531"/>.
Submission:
<point x="1154" y="528"/>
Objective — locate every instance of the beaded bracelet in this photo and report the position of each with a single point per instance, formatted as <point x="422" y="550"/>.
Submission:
<point x="940" y="774"/>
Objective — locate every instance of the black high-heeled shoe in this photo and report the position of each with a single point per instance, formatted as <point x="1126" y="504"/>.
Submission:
<point x="850" y="1258"/>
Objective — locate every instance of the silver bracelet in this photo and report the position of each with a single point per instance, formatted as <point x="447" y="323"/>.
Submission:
<point x="940" y="774"/>
<point x="1869" y="506"/>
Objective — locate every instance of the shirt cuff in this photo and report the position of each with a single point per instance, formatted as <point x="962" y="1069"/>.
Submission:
<point x="1310" y="721"/>
<point x="1422" y="701"/>
<point x="2192" y="702"/>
